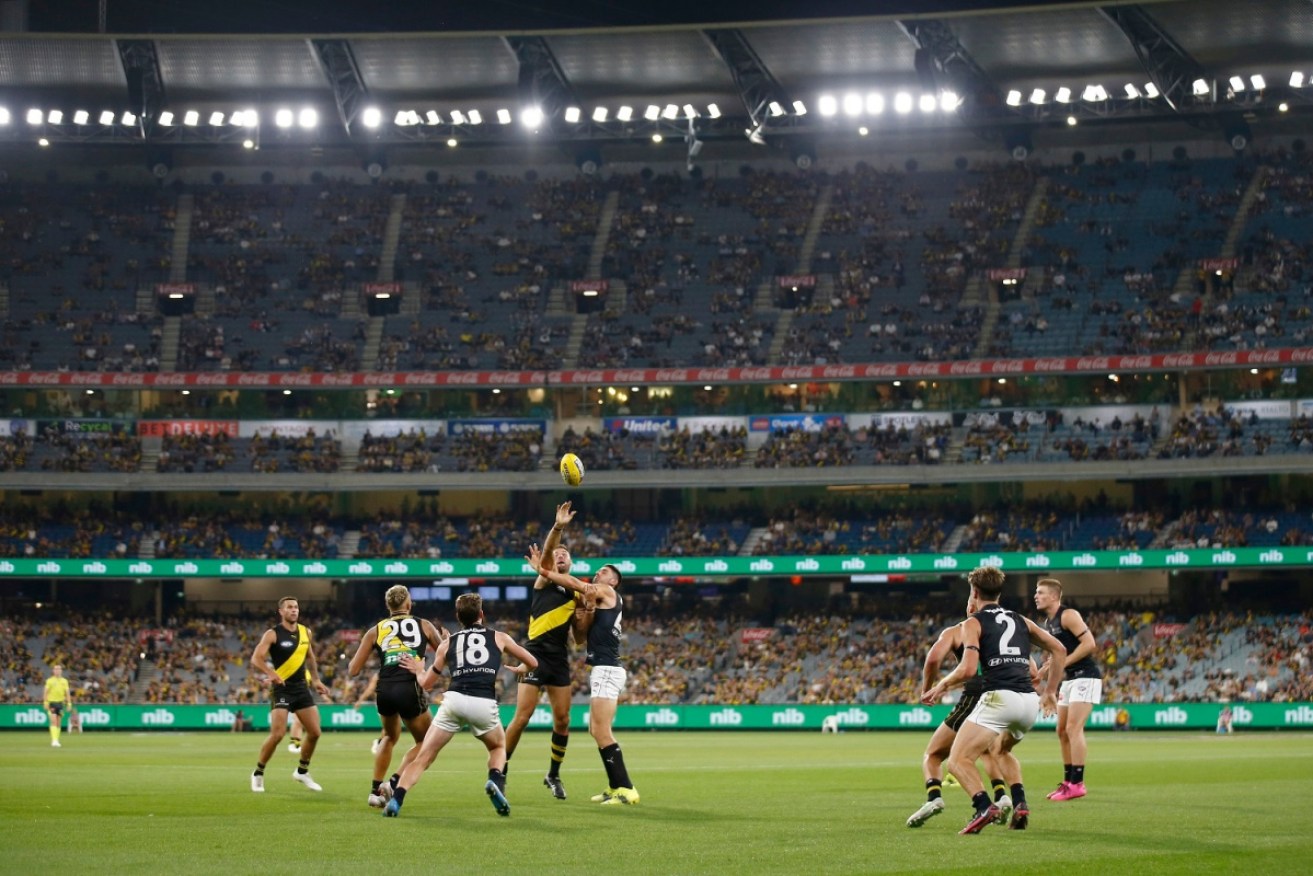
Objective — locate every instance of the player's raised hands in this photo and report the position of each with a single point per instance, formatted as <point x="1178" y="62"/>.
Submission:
<point x="564" y="514"/>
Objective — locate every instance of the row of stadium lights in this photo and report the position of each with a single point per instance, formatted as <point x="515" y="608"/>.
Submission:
<point x="851" y="104"/>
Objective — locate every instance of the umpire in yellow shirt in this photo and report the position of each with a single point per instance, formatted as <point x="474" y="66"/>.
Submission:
<point x="56" y="701"/>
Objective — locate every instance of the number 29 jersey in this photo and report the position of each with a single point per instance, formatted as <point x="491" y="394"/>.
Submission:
<point x="398" y="636"/>
<point x="473" y="659"/>
<point x="1004" y="649"/>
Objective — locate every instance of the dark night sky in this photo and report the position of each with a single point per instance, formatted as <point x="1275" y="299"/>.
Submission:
<point x="355" y="16"/>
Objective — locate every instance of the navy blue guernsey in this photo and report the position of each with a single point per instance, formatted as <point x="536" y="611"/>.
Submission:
<point x="604" y="635"/>
<point x="1086" y="667"/>
<point x="473" y="660"/>
<point x="1004" y="649"/>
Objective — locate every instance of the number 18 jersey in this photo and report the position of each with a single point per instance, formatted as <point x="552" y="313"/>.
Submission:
<point x="1004" y="649"/>
<point x="474" y="660"/>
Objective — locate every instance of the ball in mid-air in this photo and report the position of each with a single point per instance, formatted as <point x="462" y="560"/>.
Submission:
<point x="572" y="470"/>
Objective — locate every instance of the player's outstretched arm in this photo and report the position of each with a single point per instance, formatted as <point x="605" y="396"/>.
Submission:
<point x="507" y="645"/>
<point x="363" y="650"/>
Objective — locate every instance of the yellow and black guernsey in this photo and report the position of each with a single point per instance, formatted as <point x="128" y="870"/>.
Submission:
<point x="398" y="636"/>
<point x="288" y="653"/>
<point x="549" y="622"/>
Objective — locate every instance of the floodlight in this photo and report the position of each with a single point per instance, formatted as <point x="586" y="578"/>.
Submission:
<point x="874" y="103"/>
<point x="1131" y="91"/>
<point x="690" y="111"/>
<point x="1297" y="79"/>
<point x="1014" y="98"/>
<point x="81" y="117"/>
<point x="863" y="130"/>
<point x="248" y="143"/>
<point x="42" y="141"/>
<point x="372" y="117"/>
<point x="55" y="117"/>
<point x="902" y="103"/>
<point x="670" y="112"/>
<point x="1237" y="84"/>
<point x="1258" y="81"/>
<point x="191" y="118"/>
<point x="1200" y="87"/>
<point x="599" y="114"/>
<point x="572" y="114"/>
<point x="308" y="117"/>
<point x="457" y="117"/>
<point x="475" y="117"/>
<point x="432" y="117"/>
<point x="928" y="103"/>
<point x="216" y="119"/>
<point x="129" y="120"/>
<point x="852" y="104"/>
<point x="625" y="113"/>
<point x="451" y="141"/>
<point x="283" y="118"/>
<point x="1038" y="96"/>
<point x="166" y="118"/>
<point x="400" y="119"/>
<point x="828" y="105"/>
<point x="1091" y="93"/>
<point x="949" y="101"/>
<point x="4" y="115"/>
<point x="531" y="116"/>
<point x="35" y="117"/>
<point x="1151" y="90"/>
<point x="713" y="110"/>
<point x="107" y="117"/>
<point x="775" y="108"/>
<point x="504" y="116"/>
<point x="1062" y="95"/>
<point x="799" y="108"/>
<point x="657" y="138"/>
<point x="652" y="113"/>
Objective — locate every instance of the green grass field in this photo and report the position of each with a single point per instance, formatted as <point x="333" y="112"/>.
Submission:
<point x="712" y="803"/>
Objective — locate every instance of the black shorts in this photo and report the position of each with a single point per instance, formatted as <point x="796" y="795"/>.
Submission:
<point x="293" y="698"/>
<point x="57" y="708"/>
<point x="964" y="707"/>
<point x="551" y="672"/>
<point x="404" y="698"/>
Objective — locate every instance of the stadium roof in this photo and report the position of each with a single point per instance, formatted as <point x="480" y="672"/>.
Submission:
<point x="995" y="62"/>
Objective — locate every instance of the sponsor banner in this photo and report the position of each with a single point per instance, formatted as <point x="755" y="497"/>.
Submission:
<point x="15" y="427"/>
<point x="590" y="285"/>
<point x="1166" y="631"/>
<point x="161" y="428"/>
<point x="495" y="427"/>
<point x="902" y="420"/>
<point x="998" y="275"/>
<point x="688" y="567"/>
<point x="88" y="427"/>
<point x="796" y="281"/>
<point x="351" y="432"/>
<point x="755" y="634"/>
<point x="798" y="422"/>
<point x="711" y="424"/>
<point x="661" y="376"/>
<point x="640" y="425"/>
<point x="381" y="288"/>
<point x="1219" y="264"/>
<point x="1274" y="409"/>
<point x="287" y="428"/>
<point x="785" y="716"/>
<point x="175" y="288"/>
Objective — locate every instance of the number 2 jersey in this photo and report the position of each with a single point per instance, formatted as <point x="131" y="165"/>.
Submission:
<point x="1004" y="649"/>
<point x="473" y="659"/>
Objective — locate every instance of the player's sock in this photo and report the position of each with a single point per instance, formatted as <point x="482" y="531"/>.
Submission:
<point x="296" y="740"/>
<point x="1019" y="796"/>
<point x="304" y="767"/>
<point x="1066" y="772"/>
<point x="394" y="780"/>
<point x="1000" y="788"/>
<point x="259" y="769"/>
<point x="934" y="789"/>
<point x="613" y="759"/>
<point x="54" y="732"/>
<point x="498" y="778"/>
<point x="981" y="801"/>
<point x="1077" y="773"/>
<point x="559" y="742"/>
<point x="399" y="795"/>
<point x="374" y="786"/>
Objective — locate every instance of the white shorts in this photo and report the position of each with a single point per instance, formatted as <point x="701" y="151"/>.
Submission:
<point x="606" y="682"/>
<point x="457" y="708"/>
<point x="1080" y="690"/>
<point x="1006" y="711"/>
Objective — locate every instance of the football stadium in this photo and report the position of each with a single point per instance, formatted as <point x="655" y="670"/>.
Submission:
<point x="879" y="434"/>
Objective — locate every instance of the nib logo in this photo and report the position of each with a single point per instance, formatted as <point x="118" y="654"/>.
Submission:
<point x="918" y="717"/>
<point x="348" y="718"/>
<point x="663" y="718"/>
<point x="1038" y="561"/>
<point x="33" y="716"/>
<point x="900" y="563"/>
<point x="360" y="569"/>
<point x="1272" y="556"/>
<point x="726" y="718"/>
<point x="854" y="564"/>
<point x="185" y="568"/>
<point x="1105" y="717"/>
<point x="96" y="717"/>
<point x="157" y="718"/>
<point x="6" y="566"/>
<point x="716" y="566"/>
<point x="315" y="569"/>
<point x="670" y="566"/>
<point x="1241" y="715"/>
<point x="540" y="718"/>
<point x="94" y="568"/>
<point x="232" y="569"/>
<point x="1085" y="559"/>
<point x="279" y="568"/>
<point x="788" y="718"/>
<point x="443" y="568"/>
<point x="946" y="563"/>
<point x="627" y="567"/>
<point x="807" y="565"/>
<point x="1224" y="557"/>
<point x="140" y="569"/>
<point x="1175" y="715"/>
<point x="220" y="718"/>
<point x="396" y="569"/>
<point x="1302" y="715"/>
<point x="762" y="565"/>
<point x="854" y="716"/>
<point x="1179" y="558"/>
